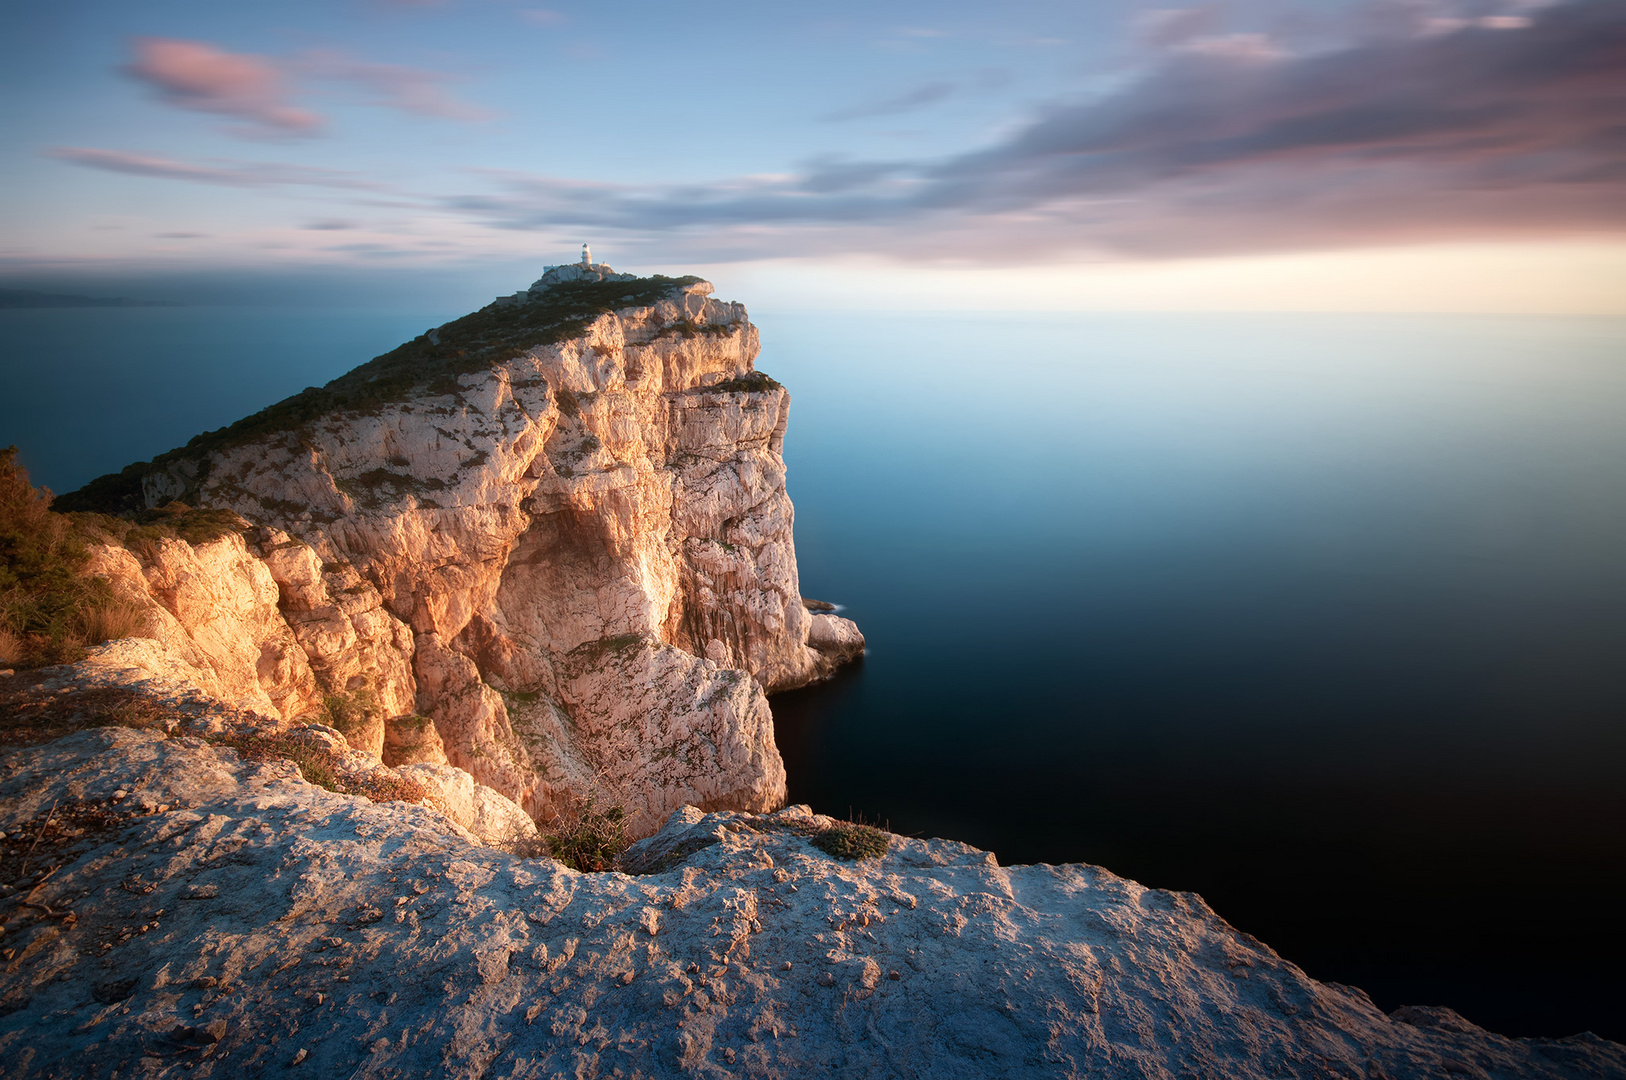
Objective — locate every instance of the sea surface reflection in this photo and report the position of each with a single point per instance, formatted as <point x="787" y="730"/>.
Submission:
<point x="1320" y="617"/>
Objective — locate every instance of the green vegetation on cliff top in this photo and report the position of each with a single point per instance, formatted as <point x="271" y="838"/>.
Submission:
<point x="493" y="335"/>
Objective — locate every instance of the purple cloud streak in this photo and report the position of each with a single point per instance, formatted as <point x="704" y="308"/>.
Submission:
<point x="1490" y="128"/>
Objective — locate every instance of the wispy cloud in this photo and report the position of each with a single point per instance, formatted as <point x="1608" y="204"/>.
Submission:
<point x="1485" y="130"/>
<point x="196" y="75"/>
<point x="1406" y="127"/>
<point x="199" y="76"/>
<point x="226" y="173"/>
<point x="919" y="97"/>
<point x="394" y="86"/>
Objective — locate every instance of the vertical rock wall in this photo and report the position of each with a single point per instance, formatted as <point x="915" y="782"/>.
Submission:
<point x="579" y="562"/>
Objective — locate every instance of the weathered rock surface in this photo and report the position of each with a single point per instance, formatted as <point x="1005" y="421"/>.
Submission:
<point x="147" y="680"/>
<point x="257" y="619"/>
<point x="413" y="740"/>
<point x="229" y="919"/>
<point x="214" y="608"/>
<point x="578" y="561"/>
<point x="490" y="817"/>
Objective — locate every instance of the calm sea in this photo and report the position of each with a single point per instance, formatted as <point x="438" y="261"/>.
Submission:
<point x="1321" y="617"/>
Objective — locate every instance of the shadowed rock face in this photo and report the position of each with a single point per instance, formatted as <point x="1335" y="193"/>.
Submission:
<point x="578" y="556"/>
<point x="232" y="920"/>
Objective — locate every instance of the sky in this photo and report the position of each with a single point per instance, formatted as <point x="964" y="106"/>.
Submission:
<point x="1456" y="155"/>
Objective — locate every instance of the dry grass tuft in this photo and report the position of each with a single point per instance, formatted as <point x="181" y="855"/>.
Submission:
<point x="323" y="768"/>
<point x="11" y="647"/>
<point x="118" y="618"/>
<point x="30" y="716"/>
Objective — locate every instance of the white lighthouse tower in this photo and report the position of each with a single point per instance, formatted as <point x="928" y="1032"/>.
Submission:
<point x="587" y="258"/>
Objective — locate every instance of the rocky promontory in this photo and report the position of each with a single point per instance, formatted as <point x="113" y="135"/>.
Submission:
<point x="557" y="528"/>
<point x="535" y="568"/>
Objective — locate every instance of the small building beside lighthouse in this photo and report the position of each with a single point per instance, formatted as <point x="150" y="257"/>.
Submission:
<point x="586" y="270"/>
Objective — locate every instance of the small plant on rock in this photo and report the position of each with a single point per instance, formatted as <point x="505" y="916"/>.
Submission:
<point x="852" y="841"/>
<point x="590" y="838"/>
<point x="752" y="382"/>
<point x="349" y="713"/>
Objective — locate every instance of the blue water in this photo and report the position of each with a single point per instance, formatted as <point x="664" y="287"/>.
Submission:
<point x="1321" y="617"/>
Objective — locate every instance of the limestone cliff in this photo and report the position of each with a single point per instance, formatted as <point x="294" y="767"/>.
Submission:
<point x="558" y="527"/>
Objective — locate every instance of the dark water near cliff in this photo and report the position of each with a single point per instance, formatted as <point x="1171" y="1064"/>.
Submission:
<point x="1323" y="618"/>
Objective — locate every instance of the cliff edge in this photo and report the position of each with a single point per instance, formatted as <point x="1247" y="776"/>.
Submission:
<point x="188" y="912"/>
<point x="557" y="527"/>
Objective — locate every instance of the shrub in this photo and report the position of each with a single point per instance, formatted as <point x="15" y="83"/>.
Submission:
<point x="594" y="651"/>
<point x="31" y="716"/>
<point x="50" y="609"/>
<point x="194" y="525"/>
<point x="144" y="532"/>
<point x="591" y="837"/>
<point x="348" y="712"/>
<point x="852" y="841"/>
<point x="320" y="767"/>
<point x="752" y="382"/>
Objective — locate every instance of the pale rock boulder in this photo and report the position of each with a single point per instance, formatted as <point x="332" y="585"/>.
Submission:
<point x="164" y="635"/>
<point x="735" y="521"/>
<point x="338" y="617"/>
<point x="491" y="818"/>
<point x="412" y="740"/>
<point x="269" y="627"/>
<point x="151" y="667"/>
<point x="214" y="606"/>
<point x="472" y="722"/>
<point x="365" y="733"/>
<point x="648" y="726"/>
<point x="837" y="640"/>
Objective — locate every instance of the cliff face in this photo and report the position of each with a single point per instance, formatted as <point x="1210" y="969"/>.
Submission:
<point x="576" y="556"/>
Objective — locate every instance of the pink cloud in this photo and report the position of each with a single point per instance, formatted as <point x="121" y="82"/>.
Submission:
<point x="195" y="75"/>
<point x="394" y="86"/>
<point x="229" y="173"/>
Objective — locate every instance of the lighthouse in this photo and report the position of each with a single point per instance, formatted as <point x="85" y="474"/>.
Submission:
<point x="587" y="258"/>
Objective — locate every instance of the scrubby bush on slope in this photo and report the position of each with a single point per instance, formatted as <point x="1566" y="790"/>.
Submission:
<point x="49" y="608"/>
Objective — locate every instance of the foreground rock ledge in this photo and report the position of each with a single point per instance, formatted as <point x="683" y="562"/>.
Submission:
<point x="230" y="919"/>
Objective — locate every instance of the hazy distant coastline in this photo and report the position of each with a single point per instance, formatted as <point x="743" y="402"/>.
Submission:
<point x="30" y="298"/>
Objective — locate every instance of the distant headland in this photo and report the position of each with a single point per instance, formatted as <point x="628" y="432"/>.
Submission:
<point x="31" y="298"/>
